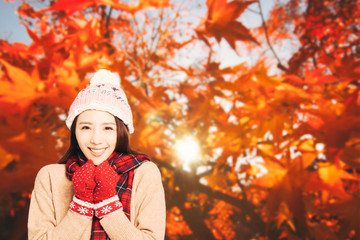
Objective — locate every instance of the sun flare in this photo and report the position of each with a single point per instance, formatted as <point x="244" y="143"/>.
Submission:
<point x="187" y="149"/>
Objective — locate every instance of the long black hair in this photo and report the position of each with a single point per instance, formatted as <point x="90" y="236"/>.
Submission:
<point x="122" y="141"/>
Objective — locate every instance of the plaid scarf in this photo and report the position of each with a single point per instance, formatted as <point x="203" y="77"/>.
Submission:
<point x="124" y="165"/>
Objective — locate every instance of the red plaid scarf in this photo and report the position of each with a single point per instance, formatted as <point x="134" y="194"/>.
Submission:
<point x="124" y="165"/>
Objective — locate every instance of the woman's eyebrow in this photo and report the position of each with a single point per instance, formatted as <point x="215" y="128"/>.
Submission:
<point x="85" y="123"/>
<point x="105" y="123"/>
<point x="108" y="123"/>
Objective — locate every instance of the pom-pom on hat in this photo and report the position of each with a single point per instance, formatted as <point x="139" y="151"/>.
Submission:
<point x="105" y="94"/>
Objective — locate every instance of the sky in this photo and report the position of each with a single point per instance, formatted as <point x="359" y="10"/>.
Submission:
<point x="10" y="28"/>
<point x="12" y="31"/>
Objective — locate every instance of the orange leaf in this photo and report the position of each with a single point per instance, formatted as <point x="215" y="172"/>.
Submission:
<point x="284" y="215"/>
<point x="267" y="149"/>
<point x="71" y="6"/>
<point x="6" y="158"/>
<point x="332" y="175"/>
<point x="136" y="92"/>
<point x="275" y="174"/>
<point x="154" y="3"/>
<point x="307" y="146"/>
<point x="14" y="48"/>
<point x="221" y="22"/>
<point x="17" y="75"/>
<point x="317" y="77"/>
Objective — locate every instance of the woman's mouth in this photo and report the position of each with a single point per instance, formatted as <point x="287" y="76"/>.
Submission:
<point x="97" y="151"/>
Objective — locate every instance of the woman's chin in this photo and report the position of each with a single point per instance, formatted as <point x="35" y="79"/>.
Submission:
<point x="98" y="161"/>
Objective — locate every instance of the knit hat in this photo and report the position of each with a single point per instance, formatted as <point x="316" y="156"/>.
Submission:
<point x="104" y="94"/>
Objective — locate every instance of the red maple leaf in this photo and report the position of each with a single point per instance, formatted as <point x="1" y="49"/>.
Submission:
<point x="71" y="6"/>
<point x="221" y="22"/>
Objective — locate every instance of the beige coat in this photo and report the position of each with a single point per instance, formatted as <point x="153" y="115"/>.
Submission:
<point x="50" y="217"/>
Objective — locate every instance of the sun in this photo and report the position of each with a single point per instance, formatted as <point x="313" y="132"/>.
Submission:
<point x="187" y="149"/>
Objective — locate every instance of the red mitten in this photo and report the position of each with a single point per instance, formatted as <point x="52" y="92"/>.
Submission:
<point x="105" y="197"/>
<point x="84" y="185"/>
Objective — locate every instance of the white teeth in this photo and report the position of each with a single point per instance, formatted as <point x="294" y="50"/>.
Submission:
<point x="97" y="150"/>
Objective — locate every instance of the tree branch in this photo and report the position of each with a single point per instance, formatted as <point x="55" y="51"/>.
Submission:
<point x="280" y="65"/>
<point x="189" y="183"/>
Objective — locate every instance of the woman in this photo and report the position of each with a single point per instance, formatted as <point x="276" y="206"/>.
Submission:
<point x="100" y="189"/>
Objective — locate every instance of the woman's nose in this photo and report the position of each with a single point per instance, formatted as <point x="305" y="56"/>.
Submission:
<point x="95" y="137"/>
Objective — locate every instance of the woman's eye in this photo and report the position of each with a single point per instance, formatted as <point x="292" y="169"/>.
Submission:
<point x="109" y="128"/>
<point x="85" y="127"/>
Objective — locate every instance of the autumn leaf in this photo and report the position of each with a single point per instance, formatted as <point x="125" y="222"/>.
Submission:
<point x="136" y="92"/>
<point x="306" y="145"/>
<point x="20" y="91"/>
<point x="274" y="176"/>
<point x="221" y="22"/>
<point x="351" y="153"/>
<point x="332" y="175"/>
<point x="7" y="158"/>
<point x="284" y="215"/>
<point x="153" y="3"/>
<point x="267" y="149"/>
<point x="70" y="6"/>
<point x="27" y="10"/>
<point x="14" y="49"/>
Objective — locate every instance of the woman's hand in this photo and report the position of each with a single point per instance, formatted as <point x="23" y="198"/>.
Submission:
<point x="105" y="196"/>
<point x="106" y="179"/>
<point x="84" y="182"/>
<point x="84" y="185"/>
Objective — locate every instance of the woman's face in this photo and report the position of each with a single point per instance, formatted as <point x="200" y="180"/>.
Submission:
<point x="96" y="135"/>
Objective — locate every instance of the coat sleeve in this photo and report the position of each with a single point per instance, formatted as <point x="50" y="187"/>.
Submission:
<point x="149" y="209"/>
<point x="43" y="222"/>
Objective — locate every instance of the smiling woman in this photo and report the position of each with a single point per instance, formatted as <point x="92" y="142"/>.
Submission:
<point x="100" y="188"/>
<point x="96" y="135"/>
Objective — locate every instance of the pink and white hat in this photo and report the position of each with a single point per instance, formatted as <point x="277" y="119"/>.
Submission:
<point x="104" y="94"/>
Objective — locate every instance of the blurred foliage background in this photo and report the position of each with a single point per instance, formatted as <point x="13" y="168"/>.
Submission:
<point x="251" y="116"/>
